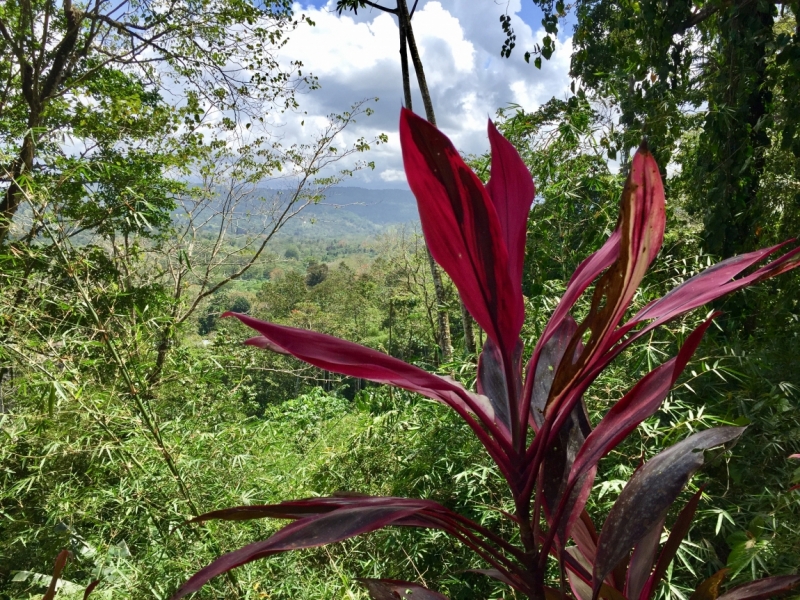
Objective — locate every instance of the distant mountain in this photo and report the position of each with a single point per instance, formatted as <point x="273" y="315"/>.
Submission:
<point x="345" y="212"/>
<point x="349" y="212"/>
<point x="381" y="207"/>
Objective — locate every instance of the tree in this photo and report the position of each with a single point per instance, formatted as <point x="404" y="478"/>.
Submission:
<point x="408" y="45"/>
<point x="53" y="59"/>
<point x="661" y="62"/>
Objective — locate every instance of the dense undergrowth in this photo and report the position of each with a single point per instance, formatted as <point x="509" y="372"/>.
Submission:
<point x="81" y="467"/>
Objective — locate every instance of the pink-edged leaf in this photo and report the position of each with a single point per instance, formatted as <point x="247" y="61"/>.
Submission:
<point x="679" y="531"/>
<point x="641" y="226"/>
<point x="512" y="191"/>
<point x="795" y="456"/>
<point x="709" y="589"/>
<point x="649" y="493"/>
<point x="307" y="532"/>
<point x="462" y="229"/>
<point x="642" y="560"/>
<point x="641" y="402"/>
<point x="761" y="589"/>
<point x="393" y="589"/>
<point x="492" y="382"/>
<point x="347" y="358"/>
<point x="58" y="567"/>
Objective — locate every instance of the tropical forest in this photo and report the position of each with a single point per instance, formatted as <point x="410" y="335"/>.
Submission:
<point x="399" y="299"/>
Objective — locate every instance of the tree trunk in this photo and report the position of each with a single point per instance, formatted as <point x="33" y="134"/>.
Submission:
<point x="443" y="337"/>
<point x="23" y="165"/>
<point x="407" y="32"/>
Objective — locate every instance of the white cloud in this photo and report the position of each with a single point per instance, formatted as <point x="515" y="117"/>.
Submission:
<point x="393" y="175"/>
<point x="357" y="56"/>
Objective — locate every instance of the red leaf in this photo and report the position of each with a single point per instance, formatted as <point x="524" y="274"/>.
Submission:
<point x="679" y="531"/>
<point x="649" y="493"/>
<point x="715" y="282"/>
<point x="462" y="229"/>
<point x="308" y="532"/>
<point x="90" y="588"/>
<point x="642" y="562"/>
<point x="641" y="402"/>
<point x="762" y="589"/>
<point x="641" y="226"/>
<point x="340" y="356"/>
<point x="392" y="589"/>
<point x="512" y="191"/>
<point x="61" y="561"/>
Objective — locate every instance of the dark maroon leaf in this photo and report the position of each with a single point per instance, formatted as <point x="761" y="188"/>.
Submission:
<point x="511" y="190"/>
<point x="649" y="493"/>
<point x="462" y="229"/>
<point x="392" y="589"/>
<point x="90" y="588"/>
<point x="709" y="589"/>
<point x="642" y="560"/>
<point x="540" y="378"/>
<point x="583" y="276"/>
<point x="492" y="382"/>
<point x="308" y="532"/>
<point x="558" y="460"/>
<point x="61" y="561"/>
<point x="761" y="589"/>
<point x="679" y="531"/>
<point x="347" y="358"/>
<point x="297" y="509"/>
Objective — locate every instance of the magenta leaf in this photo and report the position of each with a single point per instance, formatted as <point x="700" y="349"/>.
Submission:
<point x="512" y="191"/>
<point x="761" y="589"/>
<point x="462" y="229"/>
<point x="392" y="589"/>
<point x="308" y="532"/>
<point x="347" y="358"/>
<point x="679" y="531"/>
<point x="649" y="493"/>
<point x="641" y="226"/>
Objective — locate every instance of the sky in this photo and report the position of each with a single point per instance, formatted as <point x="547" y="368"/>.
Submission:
<point x="356" y="57"/>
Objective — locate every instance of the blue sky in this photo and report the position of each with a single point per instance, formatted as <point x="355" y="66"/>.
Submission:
<point x="356" y="57"/>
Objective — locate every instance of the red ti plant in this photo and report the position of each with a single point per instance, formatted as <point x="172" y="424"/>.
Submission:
<point x="530" y="418"/>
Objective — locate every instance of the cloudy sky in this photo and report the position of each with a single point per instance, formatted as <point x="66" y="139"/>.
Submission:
<point x="356" y="57"/>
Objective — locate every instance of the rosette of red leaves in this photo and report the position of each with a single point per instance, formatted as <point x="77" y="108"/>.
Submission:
<point x="530" y="418"/>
